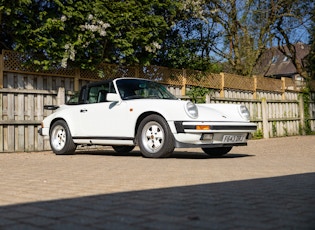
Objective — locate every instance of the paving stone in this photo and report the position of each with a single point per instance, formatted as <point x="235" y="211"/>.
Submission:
<point x="268" y="184"/>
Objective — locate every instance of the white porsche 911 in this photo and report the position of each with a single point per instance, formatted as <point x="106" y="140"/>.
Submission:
<point x="126" y="112"/>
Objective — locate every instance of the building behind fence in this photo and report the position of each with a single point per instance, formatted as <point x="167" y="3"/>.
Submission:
<point x="275" y="105"/>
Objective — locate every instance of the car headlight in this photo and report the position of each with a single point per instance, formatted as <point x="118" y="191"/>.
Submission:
<point x="244" y="112"/>
<point x="191" y="109"/>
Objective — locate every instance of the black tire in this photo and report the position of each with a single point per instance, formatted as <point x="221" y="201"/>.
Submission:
<point x="60" y="139"/>
<point x="123" y="148"/>
<point x="154" y="137"/>
<point x="216" y="152"/>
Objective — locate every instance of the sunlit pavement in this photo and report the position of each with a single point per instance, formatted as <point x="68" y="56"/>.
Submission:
<point x="268" y="184"/>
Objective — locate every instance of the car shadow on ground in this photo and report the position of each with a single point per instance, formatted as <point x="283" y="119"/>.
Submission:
<point x="176" y="154"/>
<point x="199" y="155"/>
<point x="285" y="202"/>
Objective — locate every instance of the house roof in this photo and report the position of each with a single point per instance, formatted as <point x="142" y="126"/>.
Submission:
<point x="274" y="63"/>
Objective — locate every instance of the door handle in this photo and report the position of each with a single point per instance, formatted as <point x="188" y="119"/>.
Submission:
<point x="83" y="110"/>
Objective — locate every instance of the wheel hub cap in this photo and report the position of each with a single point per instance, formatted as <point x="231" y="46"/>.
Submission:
<point x="153" y="136"/>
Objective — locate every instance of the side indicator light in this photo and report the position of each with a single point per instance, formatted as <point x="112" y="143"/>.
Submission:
<point x="203" y="127"/>
<point x="131" y="109"/>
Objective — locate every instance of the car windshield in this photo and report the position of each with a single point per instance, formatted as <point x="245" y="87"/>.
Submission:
<point x="142" y="89"/>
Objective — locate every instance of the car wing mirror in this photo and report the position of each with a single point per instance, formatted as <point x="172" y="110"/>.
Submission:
<point x="113" y="97"/>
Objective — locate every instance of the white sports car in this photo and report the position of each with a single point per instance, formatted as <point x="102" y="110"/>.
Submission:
<point x="126" y="112"/>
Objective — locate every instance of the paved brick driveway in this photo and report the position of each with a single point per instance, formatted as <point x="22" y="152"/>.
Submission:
<point x="269" y="184"/>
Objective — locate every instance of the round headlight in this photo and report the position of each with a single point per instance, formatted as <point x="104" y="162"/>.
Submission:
<point x="244" y="112"/>
<point x="191" y="109"/>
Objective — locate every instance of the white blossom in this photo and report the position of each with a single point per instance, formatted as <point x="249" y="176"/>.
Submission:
<point x="63" y="18"/>
<point x="156" y="45"/>
<point x="105" y="25"/>
<point x="95" y="26"/>
<point x="195" y="7"/>
<point x="72" y="53"/>
<point x="153" y="47"/>
<point x="68" y="54"/>
<point x="64" y="62"/>
<point x="90" y="17"/>
<point x="103" y="33"/>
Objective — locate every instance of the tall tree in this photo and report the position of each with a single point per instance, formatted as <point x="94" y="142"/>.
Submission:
<point x="188" y="45"/>
<point x="249" y="27"/>
<point x="311" y="56"/>
<point x="188" y="42"/>
<point x="296" y="15"/>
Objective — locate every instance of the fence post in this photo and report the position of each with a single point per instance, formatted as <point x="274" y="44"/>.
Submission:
<point x="222" y="85"/>
<point x="137" y="70"/>
<point x="61" y="96"/>
<point x="255" y="88"/>
<point x="76" y="79"/>
<point x="1" y="106"/>
<point x="264" y="107"/>
<point x="302" y="115"/>
<point x="283" y="88"/>
<point x="1" y="71"/>
<point x="183" y="91"/>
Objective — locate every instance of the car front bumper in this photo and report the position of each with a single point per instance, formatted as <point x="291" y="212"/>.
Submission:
<point x="43" y="131"/>
<point x="217" y="134"/>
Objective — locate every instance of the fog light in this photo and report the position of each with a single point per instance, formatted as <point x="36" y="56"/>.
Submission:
<point x="207" y="136"/>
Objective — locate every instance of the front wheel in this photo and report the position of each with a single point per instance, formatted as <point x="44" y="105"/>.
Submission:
<point x="155" y="138"/>
<point x="60" y="138"/>
<point x="216" y="152"/>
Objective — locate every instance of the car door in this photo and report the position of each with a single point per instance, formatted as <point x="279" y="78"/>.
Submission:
<point x="100" y="119"/>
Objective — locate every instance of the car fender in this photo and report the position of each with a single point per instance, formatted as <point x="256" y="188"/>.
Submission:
<point x="66" y="113"/>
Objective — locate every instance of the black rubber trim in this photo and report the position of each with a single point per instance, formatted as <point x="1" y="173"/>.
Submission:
<point x="186" y="145"/>
<point x="180" y="128"/>
<point x="224" y="127"/>
<point x="103" y="138"/>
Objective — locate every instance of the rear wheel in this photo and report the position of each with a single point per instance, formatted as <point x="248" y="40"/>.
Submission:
<point x="123" y="148"/>
<point x="215" y="152"/>
<point x="155" y="138"/>
<point x="60" y="138"/>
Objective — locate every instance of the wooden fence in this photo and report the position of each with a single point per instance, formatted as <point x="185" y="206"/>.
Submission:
<point x="275" y="105"/>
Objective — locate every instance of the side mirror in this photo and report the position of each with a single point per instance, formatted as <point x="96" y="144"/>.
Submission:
<point x="113" y="97"/>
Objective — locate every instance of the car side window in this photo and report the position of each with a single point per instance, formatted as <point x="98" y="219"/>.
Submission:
<point x="93" y="92"/>
<point x="97" y="94"/>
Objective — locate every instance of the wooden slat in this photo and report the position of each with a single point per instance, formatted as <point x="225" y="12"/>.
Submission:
<point x="10" y="115"/>
<point x="20" y="117"/>
<point x="30" y="112"/>
<point x="29" y="91"/>
<point x="1" y="127"/>
<point x="39" y="115"/>
<point x="20" y="122"/>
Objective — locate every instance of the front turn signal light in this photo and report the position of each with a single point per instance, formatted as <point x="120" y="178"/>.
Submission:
<point x="203" y="127"/>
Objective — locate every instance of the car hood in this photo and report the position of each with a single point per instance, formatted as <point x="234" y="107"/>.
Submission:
<point x="221" y="112"/>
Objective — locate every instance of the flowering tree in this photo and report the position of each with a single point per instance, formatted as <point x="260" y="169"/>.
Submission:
<point x="84" y="33"/>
